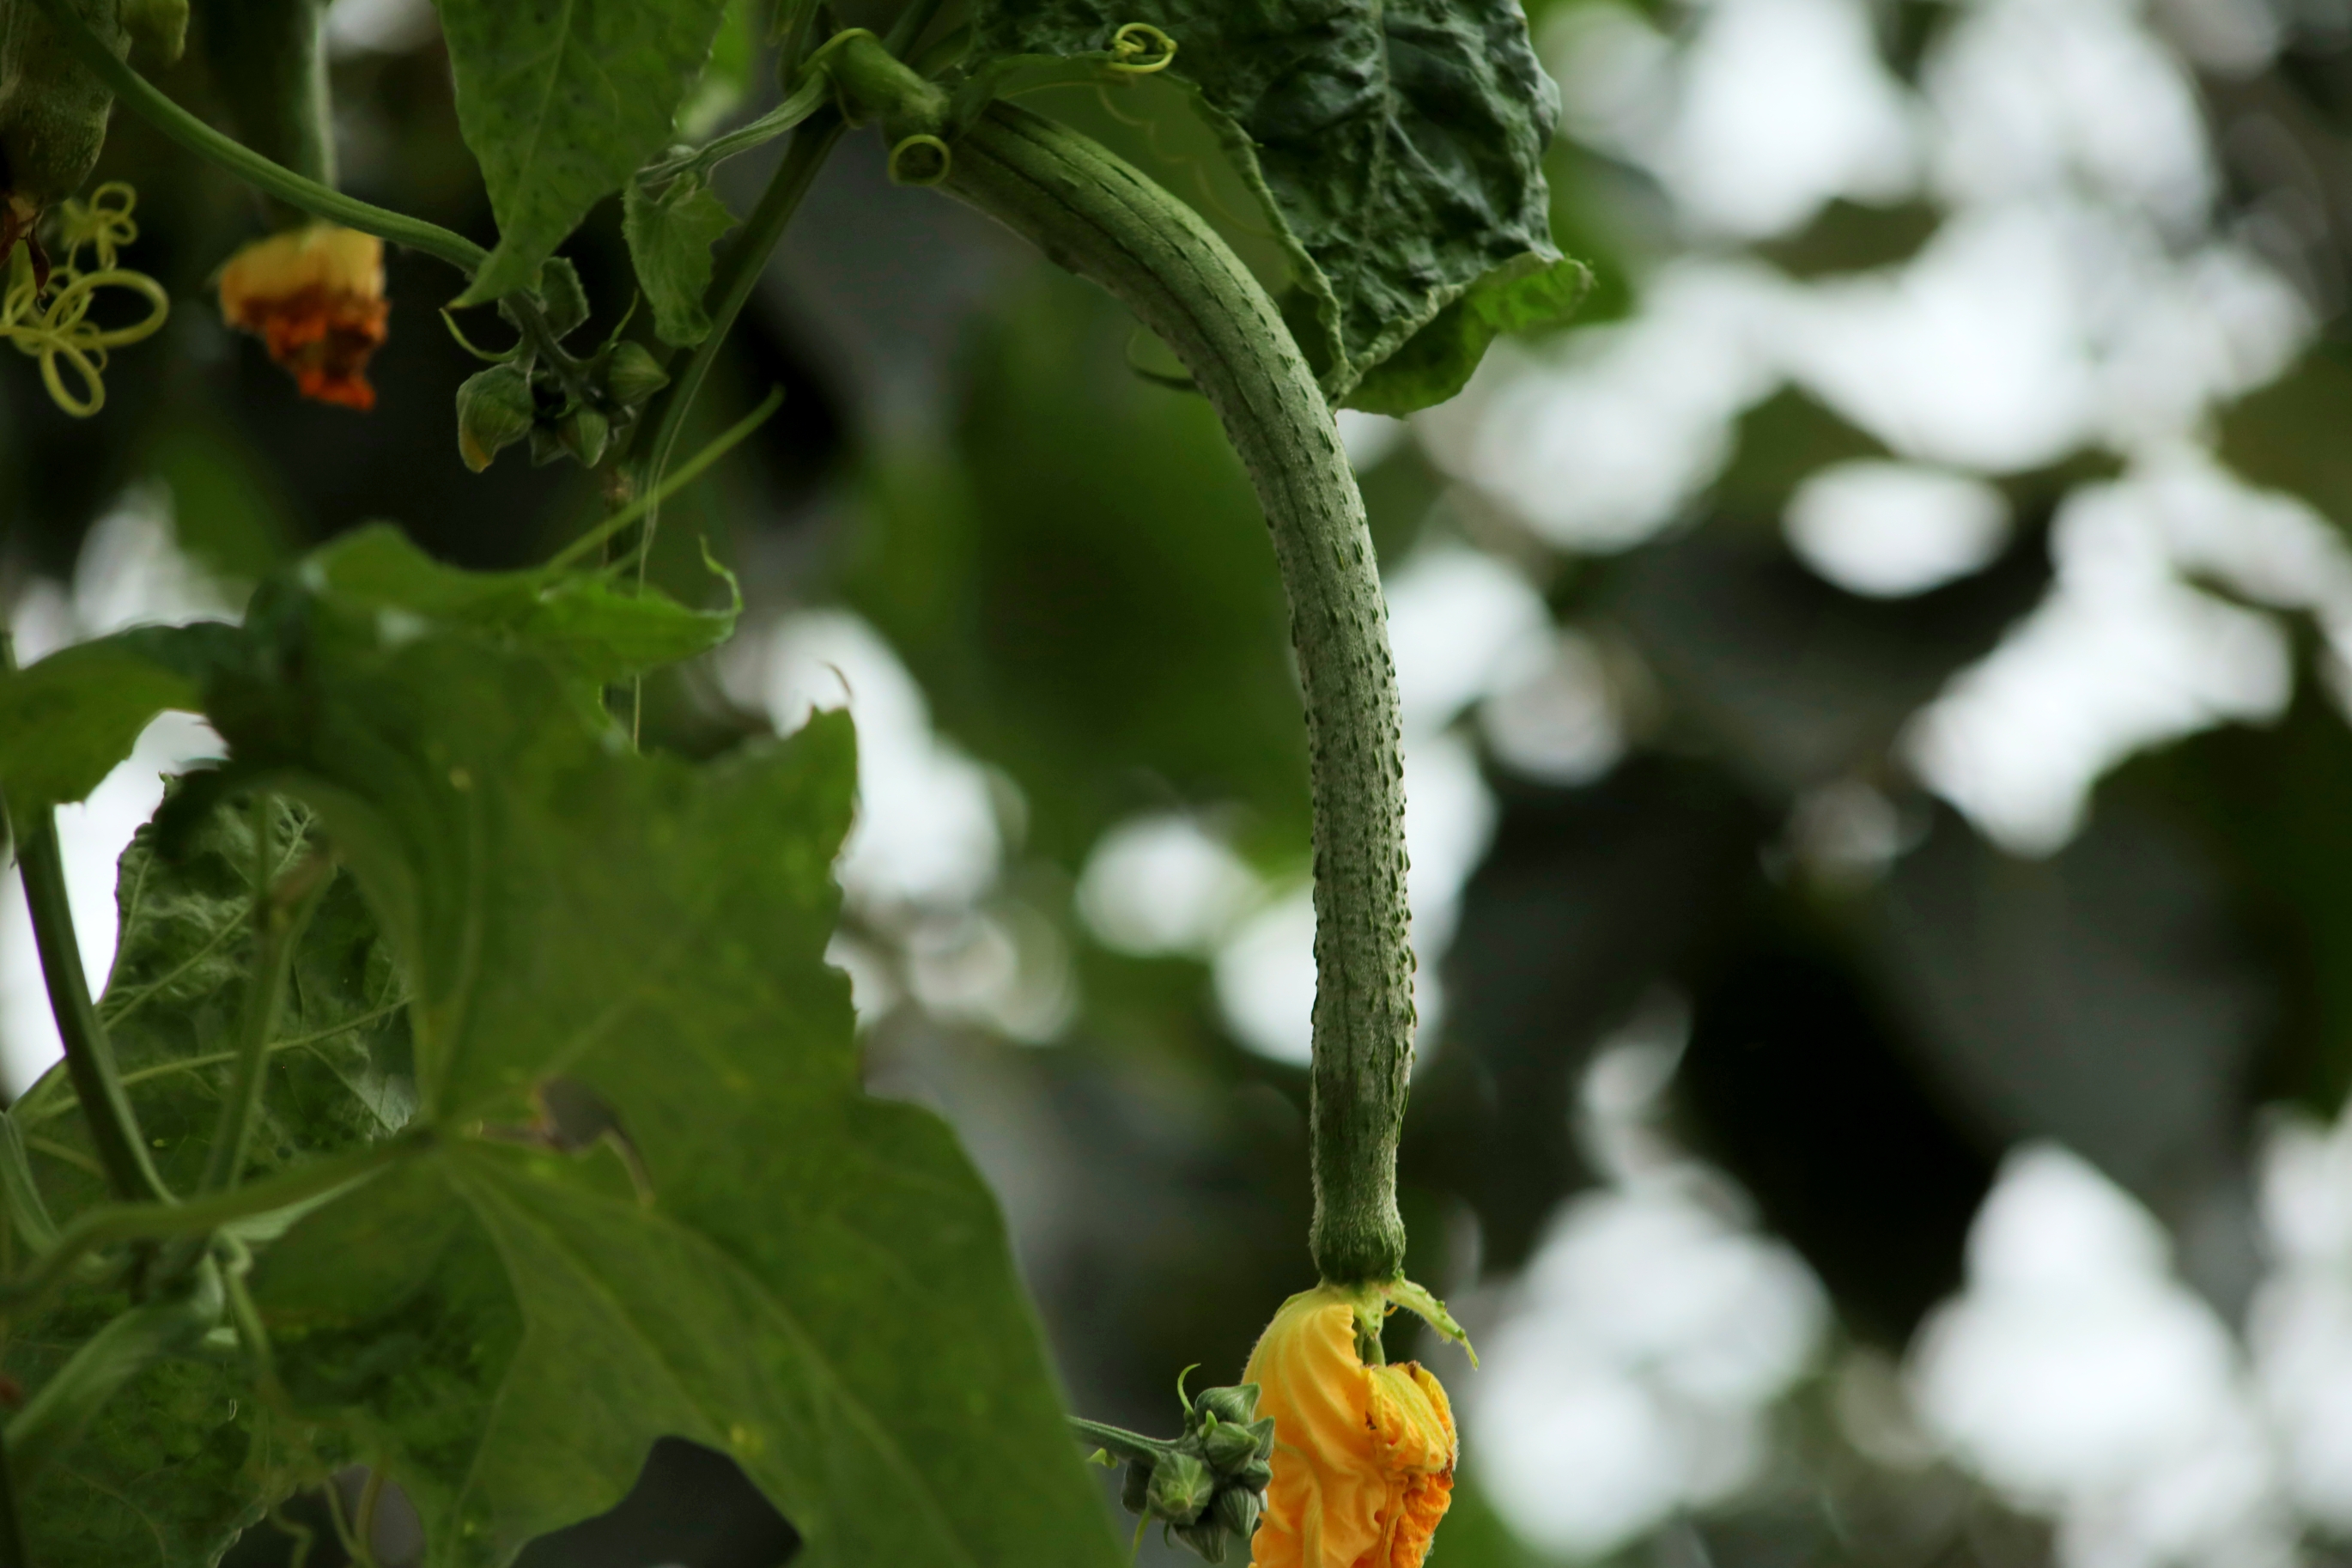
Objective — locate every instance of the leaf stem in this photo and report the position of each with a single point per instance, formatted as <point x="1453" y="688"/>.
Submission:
<point x="117" y="1222"/>
<point x="280" y="918"/>
<point x="148" y="103"/>
<point x="1104" y="220"/>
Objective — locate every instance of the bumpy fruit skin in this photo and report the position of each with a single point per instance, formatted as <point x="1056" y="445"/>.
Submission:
<point x="52" y="111"/>
<point x="315" y="295"/>
<point x="1363" y="1456"/>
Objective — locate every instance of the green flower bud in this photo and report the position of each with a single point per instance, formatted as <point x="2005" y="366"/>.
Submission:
<point x="583" y="432"/>
<point x="1135" y="1492"/>
<point x="1207" y="1538"/>
<point x="1180" y="1487"/>
<point x="633" y="375"/>
<point x="494" y="411"/>
<point x="1237" y="1404"/>
<point x="1228" y="1447"/>
<point x="1238" y="1509"/>
<point x="1254" y="1475"/>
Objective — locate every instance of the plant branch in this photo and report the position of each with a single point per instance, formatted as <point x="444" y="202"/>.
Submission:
<point x="572" y="553"/>
<point x="117" y="1222"/>
<point x="1104" y="220"/>
<point x="145" y="99"/>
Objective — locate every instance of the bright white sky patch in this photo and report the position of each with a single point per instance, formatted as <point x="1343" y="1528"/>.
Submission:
<point x="926" y="831"/>
<point x="2077" y="1373"/>
<point x="1892" y="529"/>
<point x="131" y="573"/>
<point x="2124" y="654"/>
<point x="1784" y="105"/>
<point x="1647" y="1336"/>
<point x="1163" y="884"/>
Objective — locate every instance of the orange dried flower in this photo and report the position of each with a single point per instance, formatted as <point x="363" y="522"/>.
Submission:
<point x="1363" y="1456"/>
<point x="315" y="295"/>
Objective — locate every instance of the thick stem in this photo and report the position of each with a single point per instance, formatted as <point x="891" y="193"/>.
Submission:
<point x="1106" y="221"/>
<point x="90" y="1055"/>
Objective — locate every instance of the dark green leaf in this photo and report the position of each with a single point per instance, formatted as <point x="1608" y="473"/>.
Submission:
<point x="1396" y="147"/>
<point x="67" y="720"/>
<point x="561" y="103"/>
<point x="526" y="1325"/>
<point x="670" y="237"/>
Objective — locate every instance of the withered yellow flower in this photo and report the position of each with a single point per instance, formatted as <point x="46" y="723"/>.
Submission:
<point x="315" y="295"/>
<point x="1363" y="1456"/>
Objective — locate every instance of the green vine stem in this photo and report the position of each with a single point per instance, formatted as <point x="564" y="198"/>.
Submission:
<point x="148" y="103"/>
<point x="90" y="1055"/>
<point x="1104" y="220"/>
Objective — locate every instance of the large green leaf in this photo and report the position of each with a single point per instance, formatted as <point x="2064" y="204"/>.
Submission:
<point x="813" y="1282"/>
<point x="168" y="1467"/>
<point x="1397" y="147"/>
<point x="561" y="101"/>
<point x="338" y="1065"/>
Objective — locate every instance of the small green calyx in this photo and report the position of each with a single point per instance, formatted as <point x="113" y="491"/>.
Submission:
<point x="1206" y="1486"/>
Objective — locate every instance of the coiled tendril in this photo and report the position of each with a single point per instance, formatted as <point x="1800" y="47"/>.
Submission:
<point x="49" y="320"/>
<point x="1139" y="49"/>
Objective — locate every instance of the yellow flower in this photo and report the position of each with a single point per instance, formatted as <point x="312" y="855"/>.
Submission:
<point x="1363" y="1456"/>
<point x="315" y="295"/>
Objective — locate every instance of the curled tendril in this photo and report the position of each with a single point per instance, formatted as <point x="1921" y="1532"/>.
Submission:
<point x="1139" y="49"/>
<point x="49" y="320"/>
<point x="919" y="161"/>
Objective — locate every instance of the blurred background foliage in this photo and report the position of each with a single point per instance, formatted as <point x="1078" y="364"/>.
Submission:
<point x="1875" y="700"/>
